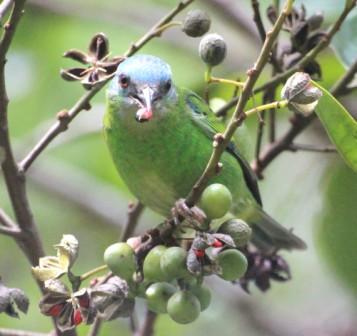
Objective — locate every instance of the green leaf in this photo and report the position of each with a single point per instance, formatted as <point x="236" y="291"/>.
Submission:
<point x="345" y="41"/>
<point x="340" y="126"/>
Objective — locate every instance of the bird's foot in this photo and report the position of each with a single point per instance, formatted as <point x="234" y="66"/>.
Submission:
<point x="194" y="216"/>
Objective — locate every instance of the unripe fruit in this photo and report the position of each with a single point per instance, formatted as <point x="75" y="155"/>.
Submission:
<point x="212" y="49"/>
<point x="216" y="200"/>
<point x="120" y="258"/>
<point x="183" y="307"/>
<point x="203" y="295"/>
<point x="151" y="268"/>
<point x="196" y="23"/>
<point x="157" y="296"/>
<point x="238" y="229"/>
<point x="173" y="262"/>
<point x="233" y="264"/>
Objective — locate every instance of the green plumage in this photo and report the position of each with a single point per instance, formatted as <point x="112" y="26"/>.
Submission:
<point x="161" y="159"/>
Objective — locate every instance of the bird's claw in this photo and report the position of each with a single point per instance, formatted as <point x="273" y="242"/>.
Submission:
<point x="194" y="216"/>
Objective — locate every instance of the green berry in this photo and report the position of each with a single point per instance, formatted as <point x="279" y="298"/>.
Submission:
<point x="238" y="229"/>
<point x="120" y="258"/>
<point x="196" y="23"/>
<point x="183" y="307"/>
<point x="203" y="295"/>
<point x="212" y="49"/>
<point x="216" y="200"/>
<point x="157" y="296"/>
<point x="151" y="268"/>
<point x="233" y="264"/>
<point x="173" y="262"/>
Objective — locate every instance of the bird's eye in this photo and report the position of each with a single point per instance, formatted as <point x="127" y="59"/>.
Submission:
<point x="124" y="81"/>
<point x="167" y="86"/>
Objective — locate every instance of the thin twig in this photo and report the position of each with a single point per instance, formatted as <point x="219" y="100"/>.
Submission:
<point x="311" y="55"/>
<point x="238" y="115"/>
<point x="14" y="332"/>
<point x="294" y="147"/>
<point x="341" y="86"/>
<point x="5" y="220"/>
<point x="234" y="13"/>
<point x="83" y="103"/>
<point x="5" y="7"/>
<point x="258" y="19"/>
<point x="134" y="213"/>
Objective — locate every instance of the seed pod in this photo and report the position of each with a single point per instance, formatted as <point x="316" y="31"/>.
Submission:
<point x="196" y="23"/>
<point x="212" y="49"/>
<point x="302" y="95"/>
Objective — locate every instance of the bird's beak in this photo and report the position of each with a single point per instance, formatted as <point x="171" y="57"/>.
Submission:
<point x="145" y="112"/>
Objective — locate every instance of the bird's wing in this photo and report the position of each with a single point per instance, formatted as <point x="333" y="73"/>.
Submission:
<point x="206" y="121"/>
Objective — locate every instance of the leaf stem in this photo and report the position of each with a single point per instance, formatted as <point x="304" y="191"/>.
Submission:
<point x="274" y="105"/>
<point x="93" y="272"/>
<point x="225" y="81"/>
<point x="166" y="26"/>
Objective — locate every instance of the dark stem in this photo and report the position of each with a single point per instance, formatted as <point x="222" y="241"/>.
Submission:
<point x="147" y="328"/>
<point x="294" y="147"/>
<point x="134" y="213"/>
<point x="258" y="19"/>
<point x="234" y="15"/>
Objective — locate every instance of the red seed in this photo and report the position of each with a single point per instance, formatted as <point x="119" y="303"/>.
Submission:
<point x="84" y="301"/>
<point x="77" y="317"/>
<point x="217" y="243"/>
<point x="55" y="310"/>
<point x="200" y="253"/>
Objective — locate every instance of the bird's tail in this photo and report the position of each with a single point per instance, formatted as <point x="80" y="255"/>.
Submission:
<point x="268" y="234"/>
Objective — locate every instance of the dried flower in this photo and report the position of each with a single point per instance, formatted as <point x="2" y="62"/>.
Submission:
<point x="11" y="298"/>
<point x="264" y="268"/>
<point x="51" y="267"/>
<point x="100" y="65"/>
<point x="111" y="299"/>
<point x="68" y="309"/>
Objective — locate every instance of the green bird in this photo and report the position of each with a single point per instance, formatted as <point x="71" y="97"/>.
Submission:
<point x="160" y="138"/>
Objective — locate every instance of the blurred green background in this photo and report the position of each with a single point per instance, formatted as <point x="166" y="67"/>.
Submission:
<point x="74" y="188"/>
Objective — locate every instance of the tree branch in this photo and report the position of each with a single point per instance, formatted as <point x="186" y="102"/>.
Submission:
<point x="147" y="328"/>
<point x="238" y="115"/>
<point x="83" y="103"/>
<point x="8" y="226"/>
<point x="28" y="239"/>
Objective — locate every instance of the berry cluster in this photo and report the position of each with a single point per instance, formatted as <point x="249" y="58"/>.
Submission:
<point x="170" y="277"/>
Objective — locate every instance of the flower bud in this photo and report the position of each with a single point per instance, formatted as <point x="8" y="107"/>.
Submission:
<point x="196" y="23"/>
<point x="212" y="49"/>
<point x="302" y="95"/>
